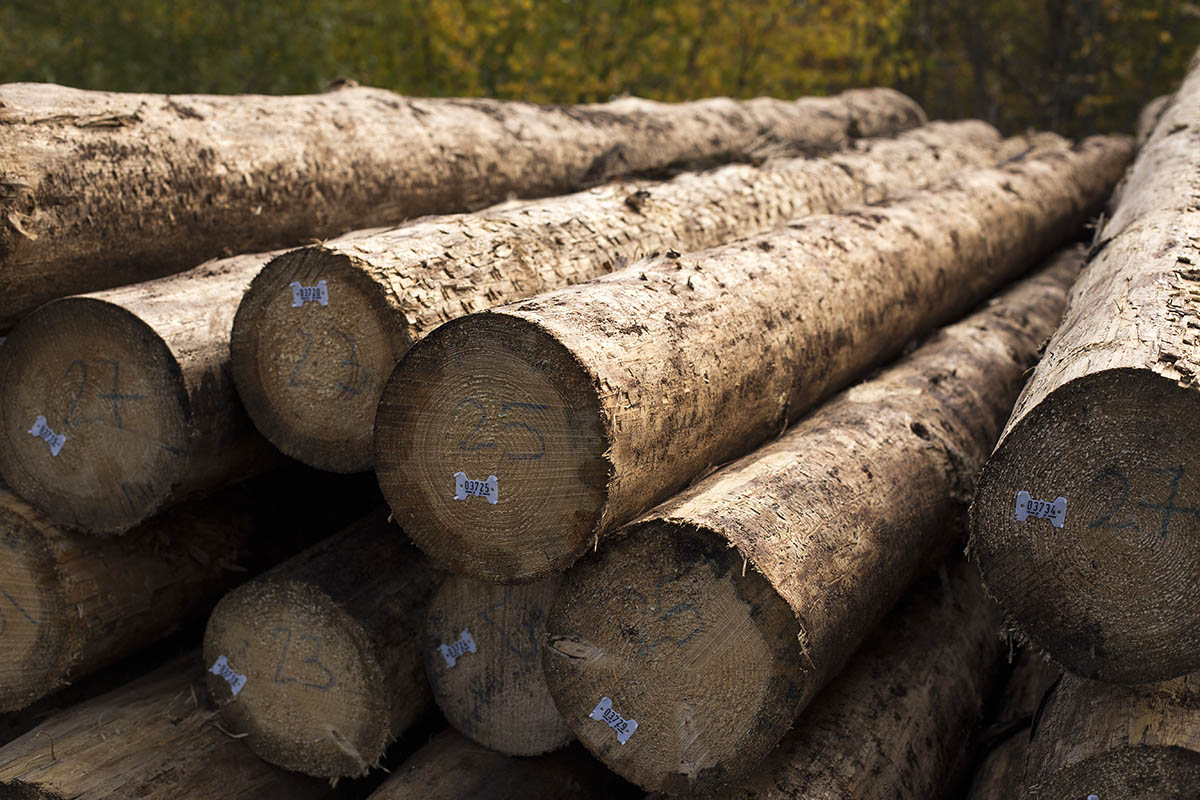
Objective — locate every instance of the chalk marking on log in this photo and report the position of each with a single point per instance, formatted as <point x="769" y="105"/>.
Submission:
<point x="604" y="713"/>
<point x="464" y="488"/>
<point x="456" y="650"/>
<point x="1055" y="511"/>
<point x="309" y="294"/>
<point x="42" y="431"/>
<point x="221" y="668"/>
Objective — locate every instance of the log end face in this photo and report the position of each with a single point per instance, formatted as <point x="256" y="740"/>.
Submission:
<point x="35" y="642"/>
<point x="1130" y="773"/>
<point x="94" y="413"/>
<point x="1086" y="526"/>
<point x="292" y="670"/>
<point x="313" y="342"/>
<point x="670" y="665"/>
<point x="491" y="449"/>
<point x="483" y="644"/>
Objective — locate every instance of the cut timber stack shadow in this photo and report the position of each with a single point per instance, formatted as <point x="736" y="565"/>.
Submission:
<point x="1086" y="523"/>
<point x="483" y="656"/>
<point x="117" y="404"/>
<point x="318" y="661"/>
<point x="589" y="404"/>
<point x="718" y="617"/>
<point x="71" y="603"/>
<point x="297" y="359"/>
<point x="154" y="739"/>
<point x="103" y="189"/>
<point x="1118" y="742"/>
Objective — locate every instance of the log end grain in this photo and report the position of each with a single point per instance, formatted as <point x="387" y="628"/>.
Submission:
<point x="95" y="415"/>
<point x="701" y="653"/>
<point x="1107" y="587"/>
<point x="35" y="644"/>
<point x="1141" y="773"/>
<point x="483" y="644"/>
<point x="313" y="342"/>
<point x="490" y="447"/>
<point x="311" y="696"/>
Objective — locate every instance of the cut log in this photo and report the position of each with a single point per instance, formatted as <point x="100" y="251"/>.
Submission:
<point x="100" y="189"/>
<point x="1148" y="118"/>
<point x="1117" y="742"/>
<point x="1005" y="741"/>
<point x="716" y="618"/>
<point x="591" y="403"/>
<point x="311" y="371"/>
<point x="452" y="767"/>
<point x="70" y="604"/>
<point x="895" y="722"/>
<point x="118" y="404"/>
<point x="318" y="662"/>
<point x="1086" y="525"/>
<point x="483" y="645"/>
<point x="154" y="739"/>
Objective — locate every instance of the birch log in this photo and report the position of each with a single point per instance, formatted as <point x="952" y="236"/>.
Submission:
<point x="1117" y="742"/>
<point x="717" y="618"/>
<point x="895" y="723"/>
<point x="508" y="441"/>
<point x="483" y="644"/>
<point x="153" y="740"/>
<point x="118" y="404"/>
<point x="1086" y="524"/>
<point x="100" y="189"/>
<point x="70" y="604"/>
<point x="318" y="662"/>
<point x="311" y="371"/>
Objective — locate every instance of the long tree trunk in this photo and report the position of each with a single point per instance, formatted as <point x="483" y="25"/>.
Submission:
<point x="1148" y="118"/>
<point x="118" y="404"/>
<point x="1004" y="742"/>
<point x="1086" y="525"/>
<point x="154" y="740"/>
<point x="311" y="371"/>
<point x="452" y="767"/>
<point x="895" y="723"/>
<point x="716" y="618"/>
<point x="1128" y="742"/>
<point x="555" y="419"/>
<point x="483" y="644"/>
<point x="318" y="662"/>
<point x="100" y="189"/>
<point x="70" y="604"/>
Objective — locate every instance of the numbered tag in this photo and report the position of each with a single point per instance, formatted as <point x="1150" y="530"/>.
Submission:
<point x="1027" y="507"/>
<point x="464" y="488"/>
<point x="42" y="431"/>
<point x="309" y="294"/>
<point x="222" y="669"/>
<point x="456" y="650"/>
<point x="604" y="713"/>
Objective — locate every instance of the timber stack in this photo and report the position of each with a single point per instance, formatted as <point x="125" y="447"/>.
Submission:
<point x="682" y="406"/>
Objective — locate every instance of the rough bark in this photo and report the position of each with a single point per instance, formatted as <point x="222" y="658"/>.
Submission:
<point x="387" y="289"/>
<point x="70" y="604"/>
<point x="1126" y="742"/>
<point x="488" y="681"/>
<point x="154" y="739"/>
<point x="1105" y="423"/>
<point x="1000" y="774"/>
<point x="591" y="403"/>
<point x="138" y="382"/>
<point x="895" y="722"/>
<point x="715" y="619"/>
<point x="452" y="767"/>
<point x="100" y="189"/>
<point x="326" y="648"/>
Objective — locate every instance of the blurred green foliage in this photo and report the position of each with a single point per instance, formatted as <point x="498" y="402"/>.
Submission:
<point x="1075" y="66"/>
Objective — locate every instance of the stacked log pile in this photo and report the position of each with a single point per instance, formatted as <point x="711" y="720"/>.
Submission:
<point x="683" y="432"/>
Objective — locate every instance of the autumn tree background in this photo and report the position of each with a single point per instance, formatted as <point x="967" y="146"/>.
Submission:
<point x="1076" y="66"/>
